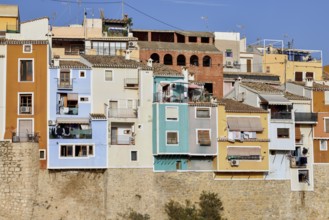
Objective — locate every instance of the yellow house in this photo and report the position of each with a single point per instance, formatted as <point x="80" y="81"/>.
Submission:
<point x="243" y="141"/>
<point x="9" y="18"/>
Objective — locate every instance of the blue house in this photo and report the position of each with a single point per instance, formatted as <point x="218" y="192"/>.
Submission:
<point x="77" y="138"/>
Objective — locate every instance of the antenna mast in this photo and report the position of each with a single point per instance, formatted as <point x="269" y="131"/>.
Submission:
<point x="122" y="3"/>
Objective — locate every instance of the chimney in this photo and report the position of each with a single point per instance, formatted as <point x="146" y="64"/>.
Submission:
<point x="127" y="55"/>
<point x="309" y="82"/>
<point x="185" y="73"/>
<point x="149" y="62"/>
<point x="237" y="87"/>
<point x="56" y="60"/>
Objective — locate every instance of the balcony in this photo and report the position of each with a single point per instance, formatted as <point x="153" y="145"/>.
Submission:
<point x="122" y="140"/>
<point x="131" y="83"/>
<point x="123" y="113"/>
<point x="68" y="110"/>
<point x="26" y="137"/>
<point x="306" y="117"/>
<point x="65" y="85"/>
<point x="281" y="115"/>
<point x="69" y="133"/>
<point x="298" y="162"/>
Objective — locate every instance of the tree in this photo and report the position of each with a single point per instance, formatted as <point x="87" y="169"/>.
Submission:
<point x="176" y="211"/>
<point x="133" y="215"/>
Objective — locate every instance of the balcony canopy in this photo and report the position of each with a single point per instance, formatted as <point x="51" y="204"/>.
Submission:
<point x="244" y="124"/>
<point x="72" y="120"/>
<point x="275" y="100"/>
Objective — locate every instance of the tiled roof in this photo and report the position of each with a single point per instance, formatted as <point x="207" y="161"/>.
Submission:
<point x="164" y="70"/>
<point x="117" y="21"/>
<point x="9" y="41"/>
<point x="235" y="106"/>
<point x="315" y="87"/>
<point x="114" y="38"/>
<point x="291" y="96"/>
<point x="114" y="62"/>
<point x="252" y="77"/>
<point x="262" y="88"/>
<point x="144" y="45"/>
<point x="202" y="104"/>
<point x="97" y="116"/>
<point x="185" y="33"/>
<point x="71" y="65"/>
<point x="35" y="19"/>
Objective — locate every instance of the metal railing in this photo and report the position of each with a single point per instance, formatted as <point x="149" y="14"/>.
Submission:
<point x="25" y="137"/>
<point x="64" y="85"/>
<point x="70" y="133"/>
<point x="68" y="111"/>
<point x="306" y="117"/>
<point x="122" y="140"/>
<point x="281" y="115"/>
<point x="123" y="113"/>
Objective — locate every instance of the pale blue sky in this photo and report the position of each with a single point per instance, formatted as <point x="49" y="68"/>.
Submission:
<point x="301" y="20"/>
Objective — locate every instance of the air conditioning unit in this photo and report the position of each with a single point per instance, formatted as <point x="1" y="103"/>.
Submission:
<point x="51" y="122"/>
<point x="229" y="64"/>
<point x="132" y="44"/>
<point x="234" y="163"/>
<point x="25" y="109"/>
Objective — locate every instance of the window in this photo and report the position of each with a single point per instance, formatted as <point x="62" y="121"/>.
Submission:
<point x="303" y="176"/>
<point x="228" y="53"/>
<point x="309" y="75"/>
<point x="299" y="76"/>
<point x="172" y="113"/>
<point x="206" y="61"/>
<point x="178" y="165"/>
<point x="268" y="69"/>
<point x="133" y="155"/>
<point x="27" y="48"/>
<point x="155" y="57"/>
<point x="203" y="137"/>
<point x="77" y="150"/>
<point x="194" y="60"/>
<point x="172" y="137"/>
<point x="65" y="78"/>
<point x="181" y="61"/>
<point x="84" y="98"/>
<point x="326" y="125"/>
<point x="323" y="145"/>
<point x="82" y="74"/>
<point x="203" y="112"/>
<point x="42" y="154"/>
<point x="25" y="103"/>
<point x="167" y="60"/>
<point x="108" y="75"/>
<point x="26" y="71"/>
<point x="283" y="132"/>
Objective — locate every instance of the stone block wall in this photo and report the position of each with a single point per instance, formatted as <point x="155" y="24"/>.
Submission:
<point x="19" y="164"/>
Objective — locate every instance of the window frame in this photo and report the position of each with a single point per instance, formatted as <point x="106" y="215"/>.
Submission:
<point x="177" y="137"/>
<point x="324" y="125"/>
<point x="176" y="107"/>
<point x="131" y="156"/>
<point x="26" y="45"/>
<point x="321" y="145"/>
<point x="199" y="108"/>
<point x="197" y="136"/>
<point x="19" y="70"/>
<point x="44" y="154"/>
<point x="74" y="145"/>
<point x="277" y="133"/>
<point x="84" y="74"/>
<point x="112" y="75"/>
<point x="19" y="103"/>
<point x="84" y="96"/>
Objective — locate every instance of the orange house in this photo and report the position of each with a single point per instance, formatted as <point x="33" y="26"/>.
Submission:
<point x="26" y="93"/>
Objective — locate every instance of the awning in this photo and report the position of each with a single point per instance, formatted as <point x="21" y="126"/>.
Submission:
<point x="243" y="151"/>
<point x="275" y="100"/>
<point x="164" y="84"/>
<point x="244" y="124"/>
<point x="72" y="96"/>
<point x="194" y="86"/>
<point x="72" y="120"/>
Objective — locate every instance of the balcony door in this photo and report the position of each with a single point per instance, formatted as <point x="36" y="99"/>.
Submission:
<point x="64" y="79"/>
<point x="25" y="128"/>
<point x="114" y="135"/>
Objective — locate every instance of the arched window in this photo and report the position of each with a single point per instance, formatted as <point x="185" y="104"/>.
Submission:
<point x="194" y="60"/>
<point x="167" y="60"/>
<point x="206" y="61"/>
<point x="155" y="57"/>
<point x="181" y="61"/>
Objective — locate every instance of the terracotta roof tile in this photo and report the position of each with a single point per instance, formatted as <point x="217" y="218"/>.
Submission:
<point x="70" y="64"/>
<point x="97" y="116"/>
<point x="144" y="45"/>
<point x="98" y="61"/>
<point x="262" y="88"/>
<point x="315" y="87"/>
<point x="203" y="104"/>
<point x="10" y="41"/>
<point x="235" y="106"/>
<point x="291" y="96"/>
<point x="164" y="70"/>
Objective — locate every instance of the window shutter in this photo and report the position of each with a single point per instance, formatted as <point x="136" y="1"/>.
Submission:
<point x="204" y="137"/>
<point x="171" y="113"/>
<point x="298" y="134"/>
<point x="299" y="76"/>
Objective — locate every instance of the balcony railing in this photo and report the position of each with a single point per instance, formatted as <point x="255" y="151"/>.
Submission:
<point x="68" y="111"/>
<point x="123" y="113"/>
<point x="65" y="85"/>
<point x="62" y="133"/>
<point x="25" y="137"/>
<point x="122" y="140"/>
<point x="281" y="115"/>
<point x="298" y="162"/>
<point x="306" y="117"/>
<point x="180" y="98"/>
<point x="131" y="83"/>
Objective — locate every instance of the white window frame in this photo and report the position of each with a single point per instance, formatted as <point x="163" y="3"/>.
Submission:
<point x="326" y="97"/>
<point x="44" y="153"/>
<point x="82" y="71"/>
<point x="321" y="145"/>
<point x="24" y="45"/>
<point x="73" y="151"/>
<point x="19" y="70"/>
<point x="196" y="110"/>
<point x="289" y="133"/>
<point x="172" y="131"/>
<point x="84" y="96"/>
<point x="197" y="136"/>
<point x="105" y="76"/>
<point x="176" y="107"/>
<point x="19" y="119"/>
<point x="19" y="102"/>
<point x="131" y="159"/>
<point x="324" y="124"/>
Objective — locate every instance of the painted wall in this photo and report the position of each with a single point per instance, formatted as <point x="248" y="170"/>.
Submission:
<point x="168" y="163"/>
<point x="3" y="90"/>
<point x="319" y="104"/>
<point x="279" y="165"/>
<point x="36" y="30"/>
<point x="8" y="23"/>
<point x="202" y="123"/>
<point x="38" y="87"/>
<point x="319" y="128"/>
<point x="99" y="140"/>
<point x="281" y="143"/>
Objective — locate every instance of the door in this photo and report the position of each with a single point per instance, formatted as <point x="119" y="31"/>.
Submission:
<point x="25" y="129"/>
<point x="249" y="66"/>
<point x="114" y="135"/>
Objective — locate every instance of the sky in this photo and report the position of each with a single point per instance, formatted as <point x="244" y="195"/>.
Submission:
<point x="304" y="22"/>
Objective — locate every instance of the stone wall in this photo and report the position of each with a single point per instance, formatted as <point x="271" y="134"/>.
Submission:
<point x="18" y="179"/>
<point x="29" y="193"/>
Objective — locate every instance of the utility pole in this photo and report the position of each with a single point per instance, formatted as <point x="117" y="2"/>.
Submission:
<point x="122" y="3"/>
